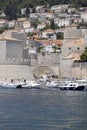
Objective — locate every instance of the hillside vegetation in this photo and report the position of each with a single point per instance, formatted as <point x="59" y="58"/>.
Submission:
<point x="12" y="7"/>
<point x="23" y="3"/>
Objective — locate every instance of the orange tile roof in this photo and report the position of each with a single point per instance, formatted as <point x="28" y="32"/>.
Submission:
<point x="78" y="41"/>
<point x="58" y="42"/>
<point x="6" y="37"/>
<point x="75" y="56"/>
<point x="21" y="19"/>
<point x="35" y="36"/>
<point x="49" y="30"/>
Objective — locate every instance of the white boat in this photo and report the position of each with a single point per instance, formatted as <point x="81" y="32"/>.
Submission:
<point x="31" y="85"/>
<point x="51" y="84"/>
<point x="10" y="85"/>
<point x="72" y="86"/>
<point x="82" y="82"/>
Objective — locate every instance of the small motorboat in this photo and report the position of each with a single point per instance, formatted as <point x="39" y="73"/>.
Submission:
<point x="51" y="84"/>
<point x="10" y="85"/>
<point x="72" y="86"/>
<point x="31" y="85"/>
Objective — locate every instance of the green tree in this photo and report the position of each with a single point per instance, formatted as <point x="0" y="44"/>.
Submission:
<point x="40" y="48"/>
<point x="34" y="23"/>
<point x="60" y="35"/>
<point x="83" y="56"/>
<point x="33" y="10"/>
<point x="10" y="10"/>
<point x="1" y="30"/>
<point x="27" y="13"/>
<point x="56" y="47"/>
<point x="52" y="24"/>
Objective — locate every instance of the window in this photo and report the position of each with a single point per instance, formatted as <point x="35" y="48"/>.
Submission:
<point x="69" y="48"/>
<point x="78" y="48"/>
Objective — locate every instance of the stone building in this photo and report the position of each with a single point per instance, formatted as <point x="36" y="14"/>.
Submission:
<point x="74" y="44"/>
<point x="10" y="47"/>
<point x="72" y="34"/>
<point x="12" y="63"/>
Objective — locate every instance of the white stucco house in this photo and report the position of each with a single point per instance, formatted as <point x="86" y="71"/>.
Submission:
<point x="49" y="33"/>
<point x="29" y="30"/>
<point x="26" y="24"/>
<point x="84" y="16"/>
<point x="41" y="26"/>
<point x="62" y="22"/>
<point x="12" y="23"/>
<point x="48" y="48"/>
<point x="23" y="10"/>
<point x="33" y="15"/>
<point x="47" y="15"/>
<point x="3" y="22"/>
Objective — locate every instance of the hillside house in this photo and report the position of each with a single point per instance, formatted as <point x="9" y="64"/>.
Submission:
<point x="48" y="45"/>
<point x="41" y="26"/>
<point x="40" y="9"/>
<point x="29" y="30"/>
<point x="12" y="23"/>
<point x="3" y="22"/>
<point x="49" y="33"/>
<point x="26" y="24"/>
<point x="33" y="15"/>
<point x="62" y="22"/>
<point x="23" y="11"/>
<point x="84" y="16"/>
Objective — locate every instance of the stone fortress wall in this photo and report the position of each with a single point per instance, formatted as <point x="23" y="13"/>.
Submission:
<point x="72" y="34"/>
<point x="22" y="67"/>
<point x="16" y="72"/>
<point x="74" y="69"/>
<point x="56" y="61"/>
<point x="51" y="59"/>
<point x="12" y="63"/>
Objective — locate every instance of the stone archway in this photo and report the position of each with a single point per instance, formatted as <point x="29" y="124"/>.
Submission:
<point x="43" y="70"/>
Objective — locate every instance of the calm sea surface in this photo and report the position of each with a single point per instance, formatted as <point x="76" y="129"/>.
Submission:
<point x="25" y="109"/>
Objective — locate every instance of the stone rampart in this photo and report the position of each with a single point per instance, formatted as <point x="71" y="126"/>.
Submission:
<point x="15" y="61"/>
<point x="21" y="72"/>
<point x="79" y="70"/>
<point x="72" y="34"/>
<point x="51" y="59"/>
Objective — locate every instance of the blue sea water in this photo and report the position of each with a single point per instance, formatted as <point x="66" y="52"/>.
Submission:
<point x="25" y="109"/>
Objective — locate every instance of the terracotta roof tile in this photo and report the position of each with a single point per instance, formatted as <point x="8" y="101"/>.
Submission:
<point x="49" y="30"/>
<point x="78" y="41"/>
<point x="5" y="37"/>
<point x="75" y="56"/>
<point x="58" y="42"/>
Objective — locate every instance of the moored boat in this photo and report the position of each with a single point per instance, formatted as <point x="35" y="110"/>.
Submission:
<point x="31" y="85"/>
<point x="10" y="85"/>
<point x="50" y="84"/>
<point x="72" y="86"/>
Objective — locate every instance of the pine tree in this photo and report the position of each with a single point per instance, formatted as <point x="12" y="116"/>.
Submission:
<point x="27" y="11"/>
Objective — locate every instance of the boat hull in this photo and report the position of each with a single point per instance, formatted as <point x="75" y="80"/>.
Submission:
<point x="79" y="88"/>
